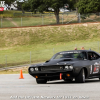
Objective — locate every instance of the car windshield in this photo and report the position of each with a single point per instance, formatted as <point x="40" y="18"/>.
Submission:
<point x="78" y="55"/>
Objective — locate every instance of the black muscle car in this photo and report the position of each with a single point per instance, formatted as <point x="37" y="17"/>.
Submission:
<point x="68" y="65"/>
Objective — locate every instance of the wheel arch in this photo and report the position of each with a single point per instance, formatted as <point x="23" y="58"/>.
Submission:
<point x="86" y="72"/>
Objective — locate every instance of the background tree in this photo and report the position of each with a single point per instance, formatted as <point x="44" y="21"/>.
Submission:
<point x="34" y="6"/>
<point x="42" y="5"/>
<point x="88" y="6"/>
<point x="26" y="6"/>
<point x="73" y="5"/>
<point x="19" y="5"/>
<point x="56" y="5"/>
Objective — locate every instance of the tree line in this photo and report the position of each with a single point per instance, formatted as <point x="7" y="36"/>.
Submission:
<point x="81" y="6"/>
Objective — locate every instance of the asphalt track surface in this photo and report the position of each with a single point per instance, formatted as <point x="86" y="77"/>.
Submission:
<point x="13" y="88"/>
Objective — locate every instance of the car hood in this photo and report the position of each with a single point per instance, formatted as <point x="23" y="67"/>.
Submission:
<point x="69" y="61"/>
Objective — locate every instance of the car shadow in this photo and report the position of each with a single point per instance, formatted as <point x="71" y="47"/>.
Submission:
<point x="92" y="81"/>
<point x="73" y="82"/>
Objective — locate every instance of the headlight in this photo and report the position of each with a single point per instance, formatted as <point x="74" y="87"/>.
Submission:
<point x="31" y="69"/>
<point x="66" y="67"/>
<point x="36" y="69"/>
<point x="71" y="67"/>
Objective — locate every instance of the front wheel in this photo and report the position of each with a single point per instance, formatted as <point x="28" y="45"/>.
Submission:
<point x="41" y="81"/>
<point x="81" y="77"/>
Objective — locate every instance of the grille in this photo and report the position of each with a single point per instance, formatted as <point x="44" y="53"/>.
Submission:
<point x="46" y="68"/>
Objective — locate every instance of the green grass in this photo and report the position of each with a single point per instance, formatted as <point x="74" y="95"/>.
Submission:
<point x="48" y="35"/>
<point x="34" y="21"/>
<point x="6" y="23"/>
<point x="41" y="52"/>
<point x="16" y="45"/>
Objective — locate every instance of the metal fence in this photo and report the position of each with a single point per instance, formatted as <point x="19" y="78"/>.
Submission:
<point x="30" y="57"/>
<point x="47" y="19"/>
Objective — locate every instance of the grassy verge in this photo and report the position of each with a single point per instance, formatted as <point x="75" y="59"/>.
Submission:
<point x="37" y="44"/>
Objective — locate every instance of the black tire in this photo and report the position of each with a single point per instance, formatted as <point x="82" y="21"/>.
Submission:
<point x="81" y="77"/>
<point x="41" y="81"/>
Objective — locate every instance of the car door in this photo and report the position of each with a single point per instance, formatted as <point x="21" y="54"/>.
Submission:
<point x="94" y="60"/>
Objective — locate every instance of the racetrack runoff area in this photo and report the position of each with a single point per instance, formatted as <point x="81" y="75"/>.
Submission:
<point x="13" y="88"/>
<point x="37" y="44"/>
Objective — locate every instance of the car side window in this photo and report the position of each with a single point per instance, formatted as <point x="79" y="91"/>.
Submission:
<point x="93" y="56"/>
<point x="84" y="55"/>
<point x="58" y="56"/>
<point x="89" y="55"/>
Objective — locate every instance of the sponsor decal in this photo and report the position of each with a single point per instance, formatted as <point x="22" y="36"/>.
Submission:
<point x="1" y="9"/>
<point x="2" y="5"/>
<point x="69" y="52"/>
<point x="96" y="68"/>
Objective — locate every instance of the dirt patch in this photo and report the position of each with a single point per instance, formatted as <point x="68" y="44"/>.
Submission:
<point x="14" y="23"/>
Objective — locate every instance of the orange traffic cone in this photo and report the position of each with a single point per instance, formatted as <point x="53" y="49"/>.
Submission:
<point x="21" y="75"/>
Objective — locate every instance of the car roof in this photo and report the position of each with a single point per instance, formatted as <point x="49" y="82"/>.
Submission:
<point x="78" y="51"/>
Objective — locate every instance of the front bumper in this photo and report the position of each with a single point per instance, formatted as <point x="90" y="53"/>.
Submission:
<point x="53" y="75"/>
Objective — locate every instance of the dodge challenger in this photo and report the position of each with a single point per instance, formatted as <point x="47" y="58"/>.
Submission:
<point x="68" y="65"/>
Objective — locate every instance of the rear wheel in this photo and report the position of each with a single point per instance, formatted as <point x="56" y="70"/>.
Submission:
<point x="81" y="77"/>
<point x="41" y="81"/>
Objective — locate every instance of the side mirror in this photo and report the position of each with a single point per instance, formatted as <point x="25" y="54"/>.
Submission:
<point x="47" y="61"/>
